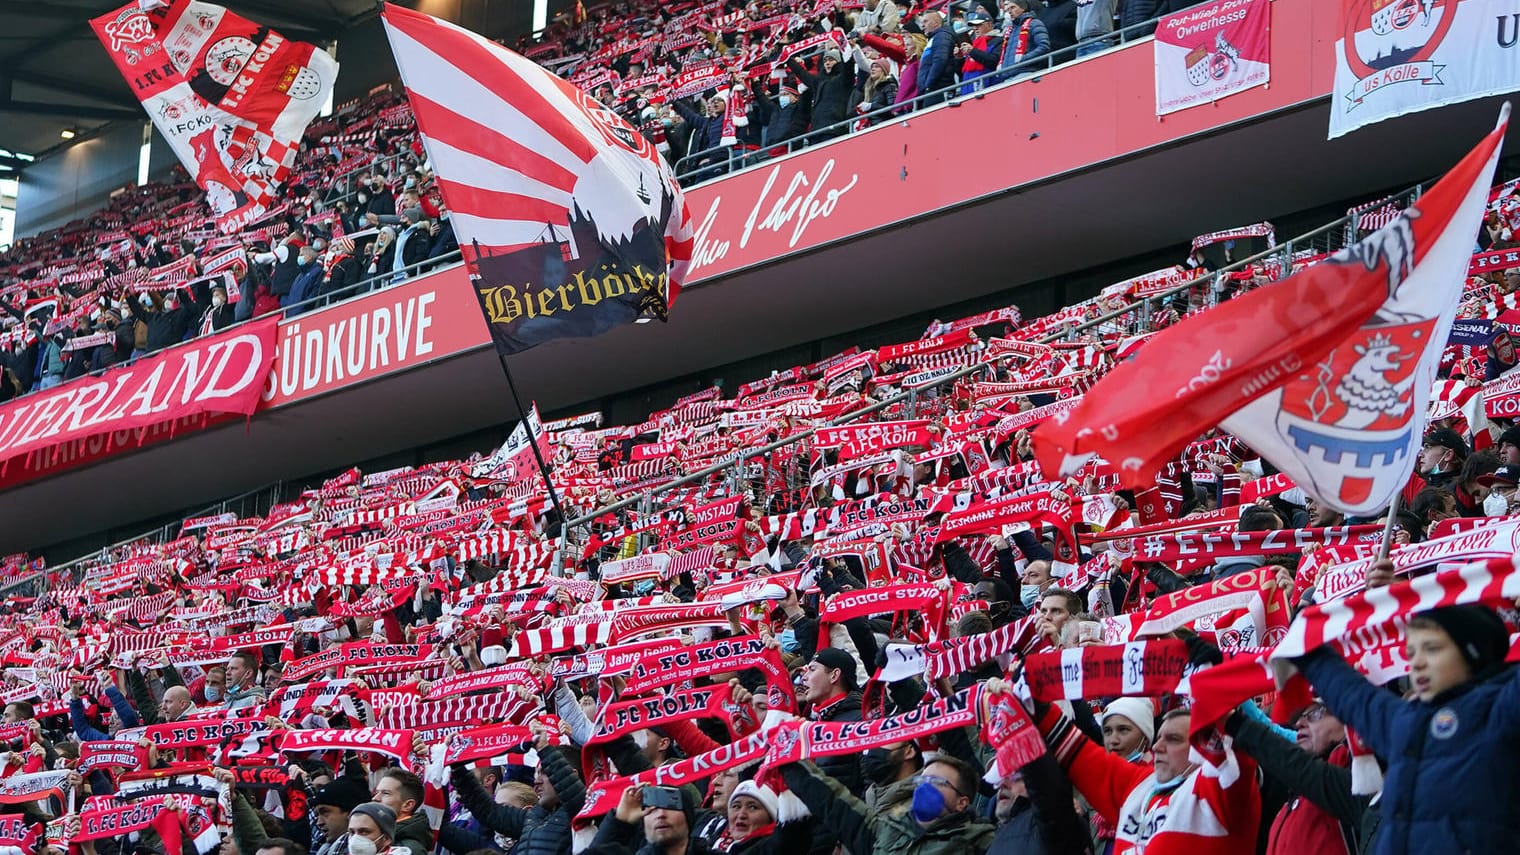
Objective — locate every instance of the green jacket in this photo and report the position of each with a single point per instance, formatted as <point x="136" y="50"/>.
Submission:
<point x="887" y="829"/>
<point x="414" y="834"/>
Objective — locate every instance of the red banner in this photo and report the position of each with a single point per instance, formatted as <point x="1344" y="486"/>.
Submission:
<point x="1211" y="51"/>
<point x="217" y="375"/>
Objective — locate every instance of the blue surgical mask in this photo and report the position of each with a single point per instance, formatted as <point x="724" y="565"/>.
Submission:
<point x="928" y="803"/>
<point x="788" y="639"/>
<point x="786" y="100"/>
<point x="213" y="694"/>
<point x="1029" y="595"/>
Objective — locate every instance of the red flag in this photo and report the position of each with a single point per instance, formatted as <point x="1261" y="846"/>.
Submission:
<point x="569" y="218"/>
<point x="1193" y="376"/>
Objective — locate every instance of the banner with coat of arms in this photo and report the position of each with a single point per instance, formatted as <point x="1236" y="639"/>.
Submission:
<point x="1212" y="51"/>
<point x="1396" y="57"/>
<point x="231" y="97"/>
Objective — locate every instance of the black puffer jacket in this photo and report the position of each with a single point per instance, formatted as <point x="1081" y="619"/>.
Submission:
<point x="536" y="830"/>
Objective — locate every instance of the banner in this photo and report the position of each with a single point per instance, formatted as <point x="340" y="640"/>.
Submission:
<point x="220" y="374"/>
<point x="570" y="220"/>
<point x="1211" y="51"/>
<point x="514" y="460"/>
<point x="231" y="97"/>
<point x="1396" y="57"/>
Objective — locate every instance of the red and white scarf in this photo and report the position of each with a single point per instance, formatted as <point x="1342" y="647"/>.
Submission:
<point x="1148" y="668"/>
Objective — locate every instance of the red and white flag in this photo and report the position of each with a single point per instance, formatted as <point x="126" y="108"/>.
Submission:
<point x="231" y="97"/>
<point x="1326" y="374"/>
<point x="571" y="221"/>
<point x="514" y="460"/>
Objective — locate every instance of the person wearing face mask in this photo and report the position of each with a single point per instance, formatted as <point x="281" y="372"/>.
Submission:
<point x="1442" y="452"/>
<point x="1499" y="488"/>
<point x="378" y="197"/>
<point x="928" y="814"/>
<point x="1034" y="813"/>
<point x="371" y="829"/>
<point x="382" y="255"/>
<point x="342" y="269"/>
<point x="243" y="689"/>
<point x="886" y="765"/>
<point x="829" y="93"/>
<point x="783" y="117"/>
<point x="220" y="315"/>
<point x="307" y="283"/>
<point x="175" y="315"/>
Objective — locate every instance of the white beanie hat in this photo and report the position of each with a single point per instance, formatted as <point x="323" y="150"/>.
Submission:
<point x="762" y="794"/>
<point x="1140" y="711"/>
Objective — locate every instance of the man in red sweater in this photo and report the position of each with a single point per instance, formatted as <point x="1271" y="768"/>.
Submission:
<point x="1178" y="808"/>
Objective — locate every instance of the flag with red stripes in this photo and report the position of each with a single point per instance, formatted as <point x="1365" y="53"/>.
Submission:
<point x="570" y="220"/>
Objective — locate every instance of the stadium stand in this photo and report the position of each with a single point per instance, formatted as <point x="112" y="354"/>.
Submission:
<point x="764" y="618"/>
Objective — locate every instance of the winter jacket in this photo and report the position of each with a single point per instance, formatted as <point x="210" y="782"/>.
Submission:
<point x="884" y="96"/>
<point x="706" y="132"/>
<point x="1036" y="41"/>
<point x="781" y="123"/>
<point x="1451" y="783"/>
<point x="1043" y="823"/>
<point x="888" y="829"/>
<point x="935" y="69"/>
<point x="831" y="94"/>
<point x="1322" y="815"/>
<point x="283" y="276"/>
<point x="344" y="272"/>
<point x="305" y="287"/>
<point x="1208" y="812"/>
<point x="885" y="17"/>
<point x="536" y="830"/>
<point x="1060" y="20"/>
<point x="414" y="835"/>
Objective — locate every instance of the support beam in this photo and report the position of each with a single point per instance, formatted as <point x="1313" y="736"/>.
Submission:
<point x="121" y="97"/>
<point x="36" y="108"/>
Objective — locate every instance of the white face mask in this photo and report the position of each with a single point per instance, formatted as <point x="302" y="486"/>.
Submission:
<point x="361" y="846"/>
<point x="1495" y="505"/>
<point x="786" y="100"/>
<point x="218" y="300"/>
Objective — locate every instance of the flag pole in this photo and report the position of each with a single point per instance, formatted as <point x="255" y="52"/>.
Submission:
<point x="543" y="466"/>
<point x="1388" y="525"/>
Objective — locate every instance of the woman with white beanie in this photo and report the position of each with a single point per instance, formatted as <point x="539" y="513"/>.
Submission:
<point x="762" y="821"/>
<point x="1129" y="728"/>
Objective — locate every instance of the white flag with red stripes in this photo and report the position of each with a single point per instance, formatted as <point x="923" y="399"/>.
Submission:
<point x="571" y="221"/>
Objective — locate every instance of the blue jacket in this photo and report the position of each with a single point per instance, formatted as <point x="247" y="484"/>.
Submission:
<point x="1452" y="782"/>
<point x="308" y="283"/>
<point x="934" y="69"/>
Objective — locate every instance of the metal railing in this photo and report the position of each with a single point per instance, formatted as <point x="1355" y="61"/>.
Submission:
<point x="364" y="287"/>
<point x="1206" y="290"/>
<point x="252" y="503"/>
<point x="730" y="160"/>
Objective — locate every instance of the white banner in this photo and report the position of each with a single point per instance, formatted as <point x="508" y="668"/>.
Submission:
<point x="1212" y="51"/>
<point x="1401" y="56"/>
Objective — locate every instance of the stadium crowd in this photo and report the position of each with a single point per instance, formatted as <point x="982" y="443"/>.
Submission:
<point x="728" y="82"/>
<point x="883" y="636"/>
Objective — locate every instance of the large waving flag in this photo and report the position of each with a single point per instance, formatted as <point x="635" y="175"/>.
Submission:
<point x="570" y="220"/>
<point x="1326" y="374"/>
<point x="231" y="97"/>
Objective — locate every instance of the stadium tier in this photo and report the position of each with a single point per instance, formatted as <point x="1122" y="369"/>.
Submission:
<point x="1049" y="457"/>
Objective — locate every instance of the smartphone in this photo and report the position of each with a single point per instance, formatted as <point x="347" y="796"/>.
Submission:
<point x="662" y="797"/>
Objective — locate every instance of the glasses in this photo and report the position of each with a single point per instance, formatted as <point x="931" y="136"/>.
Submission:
<point x="1313" y="712"/>
<point x="938" y="780"/>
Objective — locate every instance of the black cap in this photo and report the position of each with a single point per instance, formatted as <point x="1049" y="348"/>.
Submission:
<point x="833" y="657"/>
<point x="1447" y="438"/>
<point x="1509" y="475"/>
<point x="1477" y="631"/>
<point x="344" y="794"/>
<point x="1511" y="436"/>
